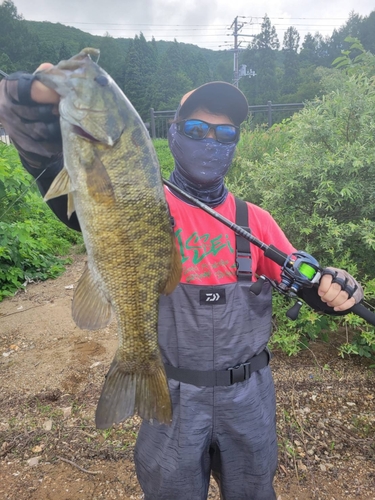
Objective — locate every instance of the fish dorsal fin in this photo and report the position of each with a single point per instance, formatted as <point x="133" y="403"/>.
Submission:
<point x="176" y="270"/>
<point x="60" y="185"/>
<point x="90" y="309"/>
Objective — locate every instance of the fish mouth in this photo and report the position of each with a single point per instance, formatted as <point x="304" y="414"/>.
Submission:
<point x="82" y="133"/>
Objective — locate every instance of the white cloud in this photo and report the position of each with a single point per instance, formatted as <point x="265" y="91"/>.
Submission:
<point x="203" y="23"/>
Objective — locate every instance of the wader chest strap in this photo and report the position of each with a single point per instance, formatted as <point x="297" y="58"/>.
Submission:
<point x="243" y="249"/>
<point x="213" y="378"/>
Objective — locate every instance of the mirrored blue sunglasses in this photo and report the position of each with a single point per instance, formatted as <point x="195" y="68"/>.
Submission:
<point x="198" y="129"/>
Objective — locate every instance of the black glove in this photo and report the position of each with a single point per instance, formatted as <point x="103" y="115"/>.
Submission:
<point x="33" y="128"/>
<point x="35" y="131"/>
<point x="347" y="283"/>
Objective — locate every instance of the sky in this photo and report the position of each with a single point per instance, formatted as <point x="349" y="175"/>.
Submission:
<point x="206" y="23"/>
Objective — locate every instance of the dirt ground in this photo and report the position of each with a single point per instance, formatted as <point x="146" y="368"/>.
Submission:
<point x="51" y="374"/>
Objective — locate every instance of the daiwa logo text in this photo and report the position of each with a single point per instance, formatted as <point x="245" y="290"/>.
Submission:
<point x="212" y="296"/>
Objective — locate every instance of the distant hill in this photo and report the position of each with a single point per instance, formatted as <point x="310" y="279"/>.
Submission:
<point x="54" y="34"/>
<point x="57" y="33"/>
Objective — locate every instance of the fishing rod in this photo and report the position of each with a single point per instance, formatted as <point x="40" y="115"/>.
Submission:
<point x="298" y="270"/>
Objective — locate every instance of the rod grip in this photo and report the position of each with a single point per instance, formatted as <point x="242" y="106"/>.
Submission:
<point x="364" y="313"/>
<point x="276" y="255"/>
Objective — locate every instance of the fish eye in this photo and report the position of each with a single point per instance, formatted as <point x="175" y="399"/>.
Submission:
<point x="102" y="80"/>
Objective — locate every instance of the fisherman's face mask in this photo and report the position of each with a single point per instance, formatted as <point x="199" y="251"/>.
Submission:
<point x="203" y="162"/>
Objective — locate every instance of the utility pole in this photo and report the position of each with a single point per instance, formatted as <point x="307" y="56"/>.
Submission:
<point x="237" y="75"/>
<point x="236" y="28"/>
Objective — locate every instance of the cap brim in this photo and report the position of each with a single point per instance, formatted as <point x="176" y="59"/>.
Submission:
<point x="217" y="97"/>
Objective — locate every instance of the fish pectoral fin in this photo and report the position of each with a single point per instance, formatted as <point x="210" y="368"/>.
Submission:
<point x="127" y="392"/>
<point x="90" y="309"/>
<point x="176" y="270"/>
<point x="60" y="185"/>
<point x="99" y="184"/>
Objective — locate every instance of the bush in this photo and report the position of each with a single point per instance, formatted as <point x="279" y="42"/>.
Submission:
<point x="319" y="184"/>
<point x="165" y="157"/>
<point x="32" y="239"/>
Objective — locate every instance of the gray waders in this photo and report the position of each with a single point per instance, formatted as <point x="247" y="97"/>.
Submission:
<point x="223" y="420"/>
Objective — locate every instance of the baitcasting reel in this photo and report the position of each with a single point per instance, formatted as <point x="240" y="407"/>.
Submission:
<point x="300" y="270"/>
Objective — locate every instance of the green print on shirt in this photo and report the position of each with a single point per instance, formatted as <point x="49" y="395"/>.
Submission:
<point x="201" y="246"/>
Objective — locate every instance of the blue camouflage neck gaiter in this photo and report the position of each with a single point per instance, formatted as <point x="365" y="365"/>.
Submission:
<point x="200" y="166"/>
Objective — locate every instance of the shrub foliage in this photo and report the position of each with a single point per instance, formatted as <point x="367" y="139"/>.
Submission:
<point x="32" y="239"/>
<point x="316" y="174"/>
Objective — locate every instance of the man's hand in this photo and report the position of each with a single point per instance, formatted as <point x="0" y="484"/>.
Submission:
<point x="338" y="289"/>
<point x="29" y="114"/>
<point x="40" y="93"/>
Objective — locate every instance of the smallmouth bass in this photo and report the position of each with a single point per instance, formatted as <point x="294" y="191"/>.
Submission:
<point x="112" y="179"/>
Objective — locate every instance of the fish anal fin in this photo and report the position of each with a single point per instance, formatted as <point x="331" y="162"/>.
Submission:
<point x="126" y="393"/>
<point x="61" y="185"/>
<point x="90" y="309"/>
<point x="176" y="270"/>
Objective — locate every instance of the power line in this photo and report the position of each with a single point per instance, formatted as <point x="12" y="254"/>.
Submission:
<point x="198" y="27"/>
<point x="143" y="24"/>
<point x="152" y="31"/>
<point x="202" y="25"/>
<point x="202" y="34"/>
<point x="157" y="29"/>
<point x="328" y="26"/>
<point x="310" y="18"/>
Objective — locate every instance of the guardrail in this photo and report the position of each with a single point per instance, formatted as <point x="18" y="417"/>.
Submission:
<point x="3" y="135"/>
<point x="161" y="120"/>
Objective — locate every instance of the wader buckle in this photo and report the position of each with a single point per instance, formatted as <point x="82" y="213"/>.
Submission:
<point x="239" y="373"/>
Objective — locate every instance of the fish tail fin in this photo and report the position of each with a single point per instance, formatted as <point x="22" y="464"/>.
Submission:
<point x="125" y="393"/>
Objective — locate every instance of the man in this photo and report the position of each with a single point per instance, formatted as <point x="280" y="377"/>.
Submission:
<point x="213" y="331"/>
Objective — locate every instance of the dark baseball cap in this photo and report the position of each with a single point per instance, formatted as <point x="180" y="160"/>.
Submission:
<point x="217" y="97"/>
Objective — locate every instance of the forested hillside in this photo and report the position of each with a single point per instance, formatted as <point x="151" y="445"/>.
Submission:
<point x="156" y="73"/>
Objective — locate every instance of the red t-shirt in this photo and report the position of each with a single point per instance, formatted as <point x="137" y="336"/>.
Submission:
<point x="207" y="246"/>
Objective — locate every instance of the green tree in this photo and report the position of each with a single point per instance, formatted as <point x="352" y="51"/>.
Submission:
<point x="47" y="53"/>
<point x="249" y="86"/>
<point x="172" y="82"/>
<point x="196" y="66"/>
<point x="112" y="58"/>
<point x="337" y="40"/>
<point x="291" y="61"/>
<point x="309" y="85"/>
<point x="6" y="64"/>
<point x="265" y="47"/>
<point x="64" y="52"/>
<point x="140" y="69"/>
<point x="367" y="32"/>
<point x="15" y="40"/>
<point x="267" y="38"/>
<point x="315" y="51"/>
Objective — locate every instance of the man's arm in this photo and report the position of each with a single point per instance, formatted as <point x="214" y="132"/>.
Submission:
<point x="29" y="113"/>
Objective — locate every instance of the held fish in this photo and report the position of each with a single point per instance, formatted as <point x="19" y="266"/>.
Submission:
<point x="112" y="179"/>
